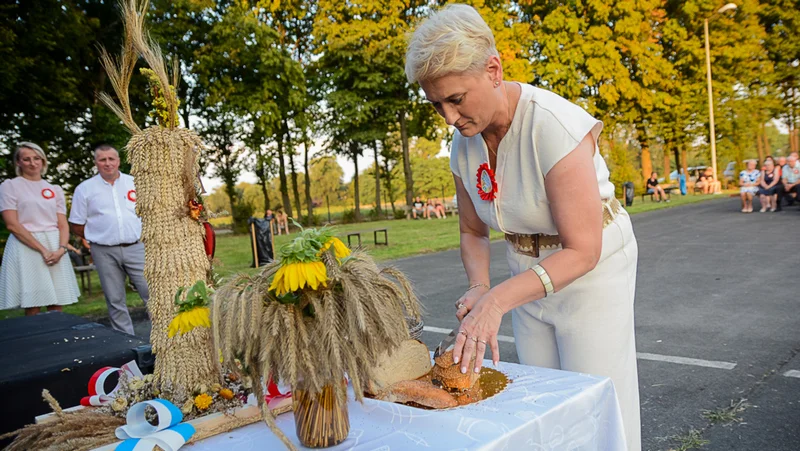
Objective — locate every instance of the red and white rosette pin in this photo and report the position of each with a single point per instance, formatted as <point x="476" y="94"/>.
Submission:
<point x="47" y="193"/>
<point x="97" y="384"/>
<point x="132" y="195"/>
<point x="487" y="185"/>
<point x="97" y="391"/>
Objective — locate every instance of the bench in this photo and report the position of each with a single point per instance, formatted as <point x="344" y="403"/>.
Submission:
<point x="85" y="272"/>
<point x="450" y="208"/>
<point x="357" y="234"/>
<point x="667" y="190"/>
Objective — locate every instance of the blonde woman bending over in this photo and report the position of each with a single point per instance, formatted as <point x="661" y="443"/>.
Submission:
<point x="525" y="162"/>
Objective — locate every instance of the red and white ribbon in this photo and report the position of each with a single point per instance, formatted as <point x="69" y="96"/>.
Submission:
<point x="274" y="395"/>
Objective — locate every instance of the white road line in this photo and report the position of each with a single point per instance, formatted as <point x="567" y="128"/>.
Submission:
<point x="792" y="373"/>
<point x="642" y="355"/>
<point x="686" y="361"/>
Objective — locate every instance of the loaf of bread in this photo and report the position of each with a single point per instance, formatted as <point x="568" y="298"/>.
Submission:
<point x="419" y="392"/>
<point x="449" y="374"/>
<point x="470" y="395"/>
<point x="411" y="360"/>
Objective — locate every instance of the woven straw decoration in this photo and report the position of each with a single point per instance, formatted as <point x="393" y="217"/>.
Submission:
<point x="164" y="167"/>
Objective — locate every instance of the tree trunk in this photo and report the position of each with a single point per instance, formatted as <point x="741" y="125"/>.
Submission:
<point x="406" y="160"/>
<point x="760" y="142"/>
<point x="287" y="206"/>
<point x="666" y="162"/>
<point x="356" y="193"/>
<point x="685" y="161"/>
<point x="230" y="190"/>
<point x="377" y="182"/>
<point x="307" y="180"/>
<point x="647" y="161"/>
<point x="295" y="188"/>
<point x="387" y="180"/>
<point x="263" y="179"/>
<point x="677" y="157"/>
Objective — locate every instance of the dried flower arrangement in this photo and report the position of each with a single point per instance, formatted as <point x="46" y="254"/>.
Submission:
<point x="312" y="317"/>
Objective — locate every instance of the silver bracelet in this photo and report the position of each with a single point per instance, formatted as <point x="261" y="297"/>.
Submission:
<point x="545" y="278"/>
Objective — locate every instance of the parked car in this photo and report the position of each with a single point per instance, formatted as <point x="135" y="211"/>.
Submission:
<point x="729" y="171"/>
<point x="694" y="172"/>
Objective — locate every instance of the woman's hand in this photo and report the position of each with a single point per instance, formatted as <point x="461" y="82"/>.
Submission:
<point x="51" y="258"/>
<point x="478" y="330"/>
<point x="57" y="254"/>
<point x="467" y="301"/>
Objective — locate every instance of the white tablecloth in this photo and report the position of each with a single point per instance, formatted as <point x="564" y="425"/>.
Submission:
<point x="541" y="409"/>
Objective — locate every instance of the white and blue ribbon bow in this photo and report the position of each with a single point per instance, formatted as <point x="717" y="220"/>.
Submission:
<point x="139" y="435"/>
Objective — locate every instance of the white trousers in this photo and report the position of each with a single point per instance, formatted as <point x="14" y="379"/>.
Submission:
<point x="588" y="326"/>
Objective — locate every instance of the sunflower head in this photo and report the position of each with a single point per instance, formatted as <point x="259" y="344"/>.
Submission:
<point x="301" y="261"/>
<point x="184" y="322"/>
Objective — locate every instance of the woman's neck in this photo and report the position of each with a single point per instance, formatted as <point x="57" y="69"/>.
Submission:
<point x="501" y="122"/>
<point x="32" y="177"/>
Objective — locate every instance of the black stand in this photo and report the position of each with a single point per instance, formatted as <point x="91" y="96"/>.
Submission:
<point x="59" y="352"/>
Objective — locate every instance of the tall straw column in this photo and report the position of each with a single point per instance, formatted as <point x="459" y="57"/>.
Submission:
<point x="164" y="167"/>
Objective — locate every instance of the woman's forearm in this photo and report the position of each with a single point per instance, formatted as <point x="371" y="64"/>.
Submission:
<point x="475" y="255"/>
<point x="26" y="237"/>
<point x="63" y="231"/>
<point x="563" y="267"/>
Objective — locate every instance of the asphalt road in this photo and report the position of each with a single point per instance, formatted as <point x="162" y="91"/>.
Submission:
<point x="717" y="323"/>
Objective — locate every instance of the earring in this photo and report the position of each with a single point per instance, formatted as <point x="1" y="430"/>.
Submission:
<point x="496" y="84"/>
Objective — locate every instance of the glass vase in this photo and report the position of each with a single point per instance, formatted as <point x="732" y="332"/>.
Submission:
<point x="320" y="420"/>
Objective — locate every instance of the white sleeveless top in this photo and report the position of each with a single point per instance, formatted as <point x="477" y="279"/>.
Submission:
<point x="546" y="127"/>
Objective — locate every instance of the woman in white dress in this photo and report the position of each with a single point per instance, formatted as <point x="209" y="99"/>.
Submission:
<point x="33" y="273"/>
<point x="526" y="163"/>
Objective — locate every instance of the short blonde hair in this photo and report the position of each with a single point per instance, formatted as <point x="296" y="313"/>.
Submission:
<point x="36" y="149"/>
<point x="455" y="39"/>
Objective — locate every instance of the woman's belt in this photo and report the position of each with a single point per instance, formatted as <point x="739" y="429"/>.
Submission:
<point x="530" y="244"/>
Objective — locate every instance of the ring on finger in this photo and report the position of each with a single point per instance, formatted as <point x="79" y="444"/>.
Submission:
<point x="483" y="341"/>
<point x="460" y="305"/>
<point x="463" y="333"/>
<point x="475" y="339"/>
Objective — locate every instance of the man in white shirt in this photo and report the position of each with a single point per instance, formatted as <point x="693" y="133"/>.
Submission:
<point x="790" y="176"/>
<point x="104" y="213"/>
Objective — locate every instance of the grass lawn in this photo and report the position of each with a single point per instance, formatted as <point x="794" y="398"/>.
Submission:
<point x="406" y="239"/>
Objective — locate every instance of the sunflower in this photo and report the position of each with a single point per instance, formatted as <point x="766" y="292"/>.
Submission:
<point x="294" y="276"/>
<point x="188" y="320"/>
<point x="339" y="248"/>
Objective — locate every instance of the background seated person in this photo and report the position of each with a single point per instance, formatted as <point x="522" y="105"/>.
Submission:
<point x="790" y="177"/>
<point x="282" y="219"/>
<point x="748" y="185"/>
<point x="702" y="183"/>
<point x="712" y="186"/>
<point x="768" y="185"/>
<point x="419" y="208"/>
<point x="654" y="189"/>
<point x="430" y="209"/>
<point x="440" y="208"/>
